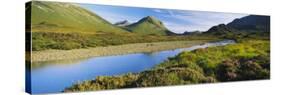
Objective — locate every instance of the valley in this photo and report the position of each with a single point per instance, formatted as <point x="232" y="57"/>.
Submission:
<point x="73" y="48"/>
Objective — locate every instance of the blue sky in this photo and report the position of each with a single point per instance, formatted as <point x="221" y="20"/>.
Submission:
<point x="177" y="21"/>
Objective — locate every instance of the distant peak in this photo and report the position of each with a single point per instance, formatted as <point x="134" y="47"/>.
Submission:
<point x="152" y="19"/>
<point x="122" y="23"/>
<point x="221" y="25"/>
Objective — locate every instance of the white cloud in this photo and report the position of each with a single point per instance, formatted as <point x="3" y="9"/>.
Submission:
<point x="158" y="10"/>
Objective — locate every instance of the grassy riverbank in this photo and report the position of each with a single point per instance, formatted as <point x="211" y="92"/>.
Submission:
<point x="247" y="60"/>
<point x="54" y="55"/>
<point x="75" y="40"/>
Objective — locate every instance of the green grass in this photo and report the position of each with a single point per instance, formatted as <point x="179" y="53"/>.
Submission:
<point x="246" y="60"/>
<point x="209" y="59"/>
<point x="67" y="41"/>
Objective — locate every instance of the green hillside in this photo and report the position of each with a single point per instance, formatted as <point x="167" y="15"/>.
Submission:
<point x="65" y="26"/>
<point x="149" y="26"/>
<point x="66" y="17"/>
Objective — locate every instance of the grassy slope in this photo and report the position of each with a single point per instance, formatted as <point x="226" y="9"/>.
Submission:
<point x="148" y="26"/>
<point x="246" y="60"/>
<point x="66" y="17"/>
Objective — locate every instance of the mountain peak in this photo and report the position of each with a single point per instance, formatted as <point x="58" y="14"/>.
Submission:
<point x="255" y="23"/>
<point x="149" y="25"/>
<point x="252" y="22"/>
<point x="152" y="20"/>
<point x="220" y="29"/>
<point x="122" y="23"/>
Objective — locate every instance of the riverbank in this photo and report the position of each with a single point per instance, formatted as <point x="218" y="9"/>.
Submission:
<point x="55" y="55"/>
<point x="246" y="60"/>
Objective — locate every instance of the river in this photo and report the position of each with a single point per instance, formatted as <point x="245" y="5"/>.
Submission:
<point x="55" y="77"/>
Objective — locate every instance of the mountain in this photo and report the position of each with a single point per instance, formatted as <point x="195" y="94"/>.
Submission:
<point x="66" y="17"/>
<point x="251" y="23"/>
<point x="191" y="33"/>
<point x="221" y="29"/>
<point x="122" y="23"/>
<point x="149" y="26"/>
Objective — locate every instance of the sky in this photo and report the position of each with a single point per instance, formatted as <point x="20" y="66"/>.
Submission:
<point x="177" y="21"/>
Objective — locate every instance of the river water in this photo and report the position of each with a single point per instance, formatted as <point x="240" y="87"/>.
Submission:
<point x="55" y="77"/>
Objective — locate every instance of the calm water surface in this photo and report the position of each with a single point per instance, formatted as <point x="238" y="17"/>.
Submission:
<point x="53" y="78"/>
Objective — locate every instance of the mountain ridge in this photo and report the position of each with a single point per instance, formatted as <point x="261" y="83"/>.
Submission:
<point x="149" y="25"/>
<point x="250" y="23"/>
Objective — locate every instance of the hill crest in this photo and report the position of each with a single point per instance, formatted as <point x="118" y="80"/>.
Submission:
<point x="149" y="25"/>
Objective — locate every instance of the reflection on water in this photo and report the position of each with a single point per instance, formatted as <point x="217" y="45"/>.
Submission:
<point x="55" y="76"/>
<point x="39" y="65"/>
